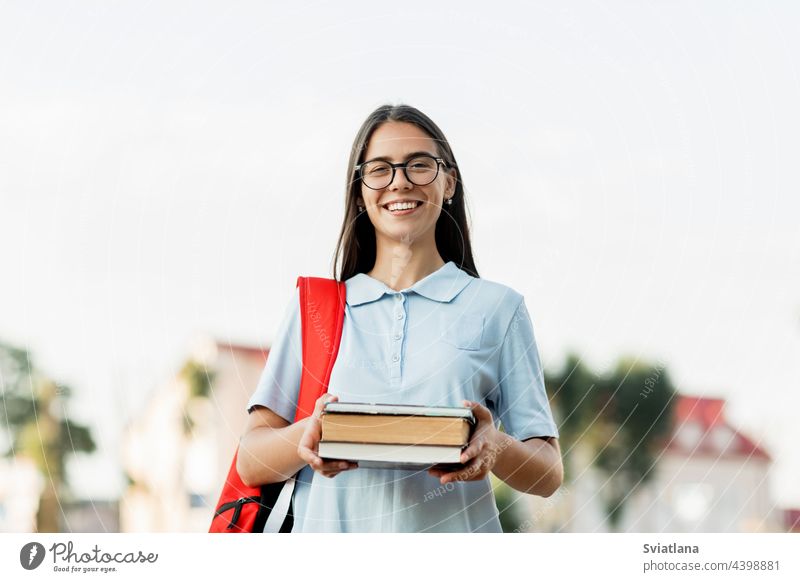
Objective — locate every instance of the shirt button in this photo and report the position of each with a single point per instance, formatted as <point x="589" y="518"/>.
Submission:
<point x="400" y="315"/>
<point x="397" y="336"/>
<point x="395" y="358"/>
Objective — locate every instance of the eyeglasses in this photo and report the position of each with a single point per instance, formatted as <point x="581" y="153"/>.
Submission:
<point x="419" y="170"/>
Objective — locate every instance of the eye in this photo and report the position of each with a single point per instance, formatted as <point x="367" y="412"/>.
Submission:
<point x="376" y="169"/>
<point x="423" y="163"/>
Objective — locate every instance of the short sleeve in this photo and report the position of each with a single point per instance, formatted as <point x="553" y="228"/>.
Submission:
<point x="520" y="399"/>
<point x="279" y="385"/>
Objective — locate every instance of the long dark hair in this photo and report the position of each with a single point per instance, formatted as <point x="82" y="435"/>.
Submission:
<point x="356" y="246"/>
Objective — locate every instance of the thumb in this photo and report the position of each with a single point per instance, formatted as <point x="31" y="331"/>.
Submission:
<point x="323" y="400"/>
<point x="477" y="410"/>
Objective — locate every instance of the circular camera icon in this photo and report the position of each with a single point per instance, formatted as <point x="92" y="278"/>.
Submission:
<point x="31" y="555"/>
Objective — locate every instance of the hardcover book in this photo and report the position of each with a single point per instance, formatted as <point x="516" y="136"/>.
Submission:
<point x="398" y="436"/>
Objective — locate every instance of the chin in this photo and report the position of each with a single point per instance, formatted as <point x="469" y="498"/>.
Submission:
<point x="405" y="235"/>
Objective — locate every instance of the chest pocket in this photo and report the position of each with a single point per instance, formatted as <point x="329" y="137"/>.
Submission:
<point x="464" y="332"/>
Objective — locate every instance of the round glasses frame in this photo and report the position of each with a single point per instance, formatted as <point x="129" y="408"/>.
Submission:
<point x="403" y="165"/>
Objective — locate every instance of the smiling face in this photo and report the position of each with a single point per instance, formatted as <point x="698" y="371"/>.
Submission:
<point x="396" y="142"/>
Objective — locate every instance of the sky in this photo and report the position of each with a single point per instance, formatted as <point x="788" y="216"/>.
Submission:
<point x="169" y="169"/>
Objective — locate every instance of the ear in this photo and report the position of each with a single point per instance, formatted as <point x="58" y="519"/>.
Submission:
<point x="452" y="178"/>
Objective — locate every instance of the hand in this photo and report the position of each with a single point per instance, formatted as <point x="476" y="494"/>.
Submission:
<point x="481" y="453"/>
<point x="309" y="443"/>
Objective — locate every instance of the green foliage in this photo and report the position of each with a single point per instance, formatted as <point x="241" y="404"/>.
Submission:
<point x="575" y="394"/>
<point x="33" y="409"/>
<point x="199" y="378"/>
<point x="622" y="417"/>
<point x="504" y="498"/>
<point x="76" y="438"/>
<point x="17" y="409"/>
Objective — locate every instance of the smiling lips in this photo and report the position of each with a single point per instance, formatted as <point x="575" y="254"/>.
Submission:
<point x="399" y="208"/>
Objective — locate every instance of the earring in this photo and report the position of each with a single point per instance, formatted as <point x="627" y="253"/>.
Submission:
<point x="449" y="201"/>
<point x="360" y="209"/>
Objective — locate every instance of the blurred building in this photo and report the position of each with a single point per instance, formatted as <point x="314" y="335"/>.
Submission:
<point x="21" y="485"/>
<point x="709" y="477"/>
<point x="791" y="520"/>
<point x="90" y="515"/>
<point x="178" y="451"/>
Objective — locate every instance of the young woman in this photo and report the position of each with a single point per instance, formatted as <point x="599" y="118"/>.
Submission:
<point x="420" y="327"/>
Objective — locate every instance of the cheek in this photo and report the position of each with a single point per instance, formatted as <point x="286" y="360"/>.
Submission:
<point x="435" y="212"/>
<point x="435" y="198"/>
<point x="368" y="196"/>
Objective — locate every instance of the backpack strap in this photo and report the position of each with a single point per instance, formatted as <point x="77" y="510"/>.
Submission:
<point x="322" y="306"/>
<point x="322" y="317"/>
<point x="245" y="509"/>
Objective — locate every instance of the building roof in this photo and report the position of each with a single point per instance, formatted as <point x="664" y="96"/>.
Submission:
<point x="242" y="350"/>
<point x="792" y="519"/>
<point x="701" y="429"/>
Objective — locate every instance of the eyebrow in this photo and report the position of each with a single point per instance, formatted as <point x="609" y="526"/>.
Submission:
<point x="408" y="157"/>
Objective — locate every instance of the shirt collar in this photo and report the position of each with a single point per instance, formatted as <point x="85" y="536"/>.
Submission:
<point x="441" y="285"/>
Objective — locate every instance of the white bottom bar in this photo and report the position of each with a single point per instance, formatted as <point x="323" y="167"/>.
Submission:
<point x="355" y="557"/>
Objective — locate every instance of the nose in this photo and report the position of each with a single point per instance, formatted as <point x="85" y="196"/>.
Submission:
<point x="399" y="181"/>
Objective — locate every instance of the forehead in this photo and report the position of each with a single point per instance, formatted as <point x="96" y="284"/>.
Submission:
<point x="396" y="140"/>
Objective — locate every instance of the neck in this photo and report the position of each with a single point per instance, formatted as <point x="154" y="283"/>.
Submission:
<point x="399" y="265"/>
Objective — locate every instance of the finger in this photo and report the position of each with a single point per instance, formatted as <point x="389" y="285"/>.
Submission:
<point x="306" y="446"/>
<point x="435" y="472"/>
<point x="327" y="466"/>
<point x="330" y="474"/>
<point x="321" y="401"/>
<point x="444" y="468"/>
<point x="479" y="410"/>
<point x="339" y="467"/>
<point x="306" y="440"/>
<point x="466" y="474"/>
<point x="439" y="469"/>
<point x="473" y="449"/>
<point x="309" y="456"/>
<point x="334" y="465"/>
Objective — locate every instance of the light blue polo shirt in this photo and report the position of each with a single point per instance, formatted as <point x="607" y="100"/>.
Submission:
<point x="447" y="338"/>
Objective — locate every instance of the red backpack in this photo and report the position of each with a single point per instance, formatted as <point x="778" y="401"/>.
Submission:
<point x="268" y="508"/>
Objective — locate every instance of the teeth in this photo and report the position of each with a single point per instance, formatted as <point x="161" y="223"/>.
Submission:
<point x="401" y="206"/>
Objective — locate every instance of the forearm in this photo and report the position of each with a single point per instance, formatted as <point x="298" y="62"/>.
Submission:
<point x="533" y="466"/>
<point x="269" y="455"/>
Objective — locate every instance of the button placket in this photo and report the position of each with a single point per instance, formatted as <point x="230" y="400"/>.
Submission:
<point x="397" y="336"/>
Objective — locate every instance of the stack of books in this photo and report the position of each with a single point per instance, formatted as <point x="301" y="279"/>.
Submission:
<point x="395" y="436"/>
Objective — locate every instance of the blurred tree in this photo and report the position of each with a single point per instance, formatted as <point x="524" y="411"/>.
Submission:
<point x="199" y="380"/>
<point x="505" y="499"/>
<point x="638" y="401"/>
<point x="575" y="395"/>
<point x="33" y="408"/>
<point x="621" y="420"/>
